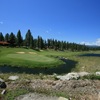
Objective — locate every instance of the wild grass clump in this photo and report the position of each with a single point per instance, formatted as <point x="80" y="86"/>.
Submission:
<point x="91" y="77"/>
<point x="50" y="92"/>
<point x="10" y="95"/>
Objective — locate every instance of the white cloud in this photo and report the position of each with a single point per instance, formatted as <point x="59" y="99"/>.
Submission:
<point x="1" y="22"/>
<point x="97" y="42"/>
<point x="87" y="43"/>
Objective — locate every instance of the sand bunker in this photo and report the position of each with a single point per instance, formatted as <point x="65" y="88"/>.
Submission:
<point x="32" y="53"/>
<point x="26" y="53"/>
<point x="20" y="52"/>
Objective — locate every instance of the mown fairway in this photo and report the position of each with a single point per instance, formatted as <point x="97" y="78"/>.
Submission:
<point x="76" y="61"/>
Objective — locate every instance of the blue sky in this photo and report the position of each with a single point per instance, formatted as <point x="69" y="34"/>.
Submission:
<point x="70" y="20"/>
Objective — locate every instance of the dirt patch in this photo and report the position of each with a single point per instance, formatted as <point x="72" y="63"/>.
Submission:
<point x="75" y="89"/>
<point x="35" y="96"/>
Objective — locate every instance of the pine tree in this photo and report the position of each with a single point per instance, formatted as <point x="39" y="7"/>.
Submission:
<point x="48" y="43"/>
<point x="31" y="42"/>
<point x="55" y="45"/>
<point x="40" y="42"/>
<point x="51" y="44"/>
<point x="19" y="38"/>
<point x="12" y="39"/>
<point x="7" y="37"/>
<point x="59" y="45"/>
<point x="45" y="44"/>
<point x="35" y="43"/>
<point x="1" y="37"/>
<point x="62" y="45"/>
<point x="28" y="38"/>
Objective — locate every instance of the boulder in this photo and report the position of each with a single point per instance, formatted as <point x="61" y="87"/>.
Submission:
<point x="73" y="75"/>
<point x="69" y="76"/>
<point x="99" y="96"/>
<point x="3" y="92"/>
<point x="97" y="73"/>
<point x="81" y="74"/>
<point x="62" y="98"/>
<point x="2" y="83"/>
<point x="1" y="80"/>
<point x="13" y="78"/>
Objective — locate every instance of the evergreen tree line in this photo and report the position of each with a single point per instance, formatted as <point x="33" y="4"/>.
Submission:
<point x="40" y="43"/>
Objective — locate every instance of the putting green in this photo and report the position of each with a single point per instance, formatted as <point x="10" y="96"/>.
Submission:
<point x="31" y="57"/>
<point x="27" y="58"/>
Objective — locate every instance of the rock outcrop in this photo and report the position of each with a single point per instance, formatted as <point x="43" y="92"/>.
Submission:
<point x="97" y="73"/>
<point x="62" y="98"/>
<point x="13" y="78"/>
<point x="72" y="75"/>
<point x="2" y="83"/>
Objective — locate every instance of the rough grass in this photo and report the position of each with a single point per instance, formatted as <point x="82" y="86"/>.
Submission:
<point x="86" y="61"/>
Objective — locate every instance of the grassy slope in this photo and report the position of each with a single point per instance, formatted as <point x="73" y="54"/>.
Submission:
<point x="10" y="56"/>
<point x="90" y="63"/>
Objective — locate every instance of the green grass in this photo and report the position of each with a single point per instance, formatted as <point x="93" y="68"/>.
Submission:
<point x="86" y="61"/>
<point x="29" y="57"/>
<point x="77" y="61"/>
<point x="92" y="77"/>
<point x="11" y="56"/>
<point x="11" y="95"/>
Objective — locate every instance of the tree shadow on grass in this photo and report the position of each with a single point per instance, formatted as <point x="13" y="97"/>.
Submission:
<point x="65" y="68"/>
<point x="90" y="55"/>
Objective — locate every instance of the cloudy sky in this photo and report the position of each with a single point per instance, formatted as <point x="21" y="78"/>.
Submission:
<point x="70" y="20"/>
